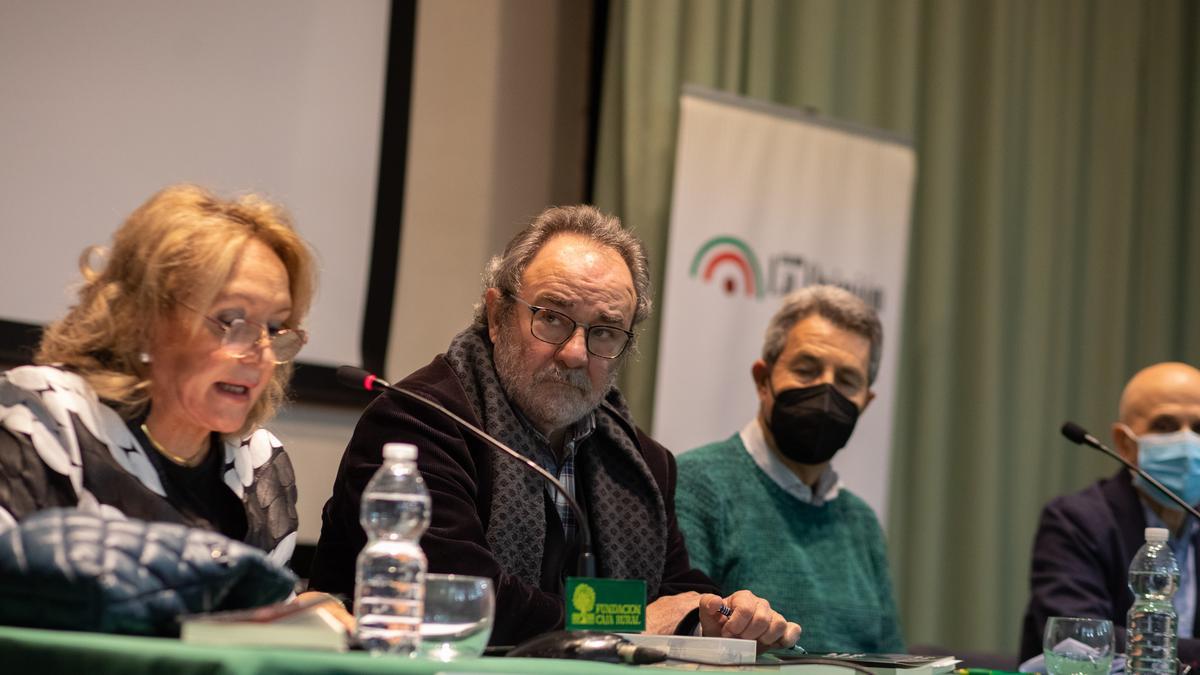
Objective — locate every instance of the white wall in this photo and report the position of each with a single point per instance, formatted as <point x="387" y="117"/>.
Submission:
<point x="103" y="103"/>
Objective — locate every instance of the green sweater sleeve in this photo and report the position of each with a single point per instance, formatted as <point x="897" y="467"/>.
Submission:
<point x="824" y="566"/>
<point x="892" y="638"/>
<point x="699" y="513"/>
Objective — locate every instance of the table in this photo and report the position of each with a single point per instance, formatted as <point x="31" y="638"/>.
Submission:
<point x="45" y="652"/>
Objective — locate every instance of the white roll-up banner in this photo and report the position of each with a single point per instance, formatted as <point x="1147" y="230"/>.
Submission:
<point x="766" y="200"/>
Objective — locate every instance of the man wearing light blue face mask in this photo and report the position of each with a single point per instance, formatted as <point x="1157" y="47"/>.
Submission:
<point x="1086" y="541"/>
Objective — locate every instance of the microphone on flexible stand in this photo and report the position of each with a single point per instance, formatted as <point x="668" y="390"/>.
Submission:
<point x="357" y="378"/>
<point x="1077" y="434"/>
<point x="587" y="645"/>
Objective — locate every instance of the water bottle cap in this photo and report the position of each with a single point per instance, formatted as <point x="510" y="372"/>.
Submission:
<point x="405" y="451"/>
<point x="1156" y="534"/>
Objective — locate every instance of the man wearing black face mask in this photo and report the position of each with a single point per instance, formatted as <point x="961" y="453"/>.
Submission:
<point x="764" y="510"/>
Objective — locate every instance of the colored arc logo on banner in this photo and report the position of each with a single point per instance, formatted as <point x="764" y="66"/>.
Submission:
<point x="733" y="253"/>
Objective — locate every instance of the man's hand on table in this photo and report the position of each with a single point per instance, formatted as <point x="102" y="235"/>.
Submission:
<point x="665" y="613"/>
<point x="751" y="619"/>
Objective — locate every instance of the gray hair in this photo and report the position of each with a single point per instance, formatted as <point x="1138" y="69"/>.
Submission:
<point x="838" y="306"/>
<point x="504" y="271"/>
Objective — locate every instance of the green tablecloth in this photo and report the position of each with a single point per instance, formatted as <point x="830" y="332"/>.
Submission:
<point x="44" y="652"/>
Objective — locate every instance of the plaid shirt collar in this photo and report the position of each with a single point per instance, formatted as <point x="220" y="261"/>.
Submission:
<point x="564" y="469"/>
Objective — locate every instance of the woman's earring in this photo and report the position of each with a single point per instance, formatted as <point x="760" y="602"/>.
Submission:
<point x="144" y="357"/>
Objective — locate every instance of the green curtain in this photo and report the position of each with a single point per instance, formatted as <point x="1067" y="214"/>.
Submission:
<point x="1055" y="241"/>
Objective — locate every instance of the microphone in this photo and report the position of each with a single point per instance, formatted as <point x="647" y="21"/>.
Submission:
<point x="1079" y="435"/>
<point x="358" y="378"/>
<point x="587" y="645"/>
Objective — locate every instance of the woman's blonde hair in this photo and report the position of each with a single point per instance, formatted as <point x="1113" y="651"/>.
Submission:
<point x="178" y="247"/>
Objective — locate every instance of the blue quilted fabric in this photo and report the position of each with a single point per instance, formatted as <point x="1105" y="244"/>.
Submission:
<point x="65" y="569"/>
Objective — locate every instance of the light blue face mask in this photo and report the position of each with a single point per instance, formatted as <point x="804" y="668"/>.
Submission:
<point x="1174" y="460"/>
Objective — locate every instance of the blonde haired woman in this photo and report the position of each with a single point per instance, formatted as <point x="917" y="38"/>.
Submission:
<point x="150" y="392"/>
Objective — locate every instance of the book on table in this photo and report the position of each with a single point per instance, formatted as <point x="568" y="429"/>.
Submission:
<point x="306" y="624"/>
<point x="715" y="653"/>
<point x="878" y="664"/>
<point x="714" y="650"/>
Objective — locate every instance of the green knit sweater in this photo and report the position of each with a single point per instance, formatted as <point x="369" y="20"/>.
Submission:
<point x="824" y="567"/>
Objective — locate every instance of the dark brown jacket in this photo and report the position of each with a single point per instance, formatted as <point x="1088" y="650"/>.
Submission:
<point x="457" y="471"/>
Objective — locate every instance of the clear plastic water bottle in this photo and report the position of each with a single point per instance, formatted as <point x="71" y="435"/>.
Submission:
<point x="1151" y="623"/>
<point x="389" y="591"/>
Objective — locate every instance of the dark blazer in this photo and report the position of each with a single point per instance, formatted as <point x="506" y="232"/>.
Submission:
<point x="457" y="471"/>
<point x="1081" y="555"/>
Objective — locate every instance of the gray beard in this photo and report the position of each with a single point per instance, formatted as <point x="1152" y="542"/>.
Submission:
<point x="552" y="398"/>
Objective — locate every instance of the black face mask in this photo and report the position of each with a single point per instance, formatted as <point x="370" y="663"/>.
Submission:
<point x="811" y="424"/>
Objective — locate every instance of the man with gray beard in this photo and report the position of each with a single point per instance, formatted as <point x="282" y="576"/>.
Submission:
<point x="536" y="370"/>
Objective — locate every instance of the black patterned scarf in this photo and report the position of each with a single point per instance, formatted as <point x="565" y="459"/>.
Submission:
<point x="625" y="507"/>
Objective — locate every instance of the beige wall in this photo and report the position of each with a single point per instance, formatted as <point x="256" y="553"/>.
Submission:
<point x="314" y="437"/>
<point x="498" y="130"/>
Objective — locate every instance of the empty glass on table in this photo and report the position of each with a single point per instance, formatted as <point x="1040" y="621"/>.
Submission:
<point x="1075" y="646"/>
<point x="458" y="616"/>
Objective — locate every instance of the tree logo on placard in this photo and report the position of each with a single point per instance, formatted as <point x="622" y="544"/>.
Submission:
<point x="731" y="263"/>
<point x="584" y="598"/>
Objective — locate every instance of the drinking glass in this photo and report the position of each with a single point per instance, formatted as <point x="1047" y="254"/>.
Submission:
<point x="458" y="616"/>
<point x="1075" y="646"/>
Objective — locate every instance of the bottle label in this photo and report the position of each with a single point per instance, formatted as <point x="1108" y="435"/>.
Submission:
<point x="606" y="604"/>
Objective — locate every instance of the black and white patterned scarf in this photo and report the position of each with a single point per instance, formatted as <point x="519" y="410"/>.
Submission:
<point x="48" y="408"/>
<point x="625" y="507"/>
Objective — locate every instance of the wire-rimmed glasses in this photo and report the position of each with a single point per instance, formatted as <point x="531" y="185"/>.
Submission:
<point x="240" y="337"/>
<point x="554" y="327"/>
